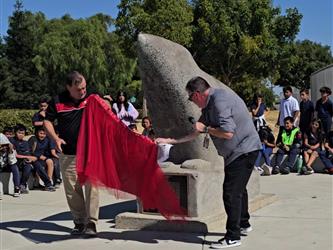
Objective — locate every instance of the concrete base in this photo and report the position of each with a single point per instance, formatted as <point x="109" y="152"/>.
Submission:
<point x="154" y="222"/>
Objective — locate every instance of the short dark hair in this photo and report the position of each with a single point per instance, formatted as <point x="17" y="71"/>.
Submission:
<point x="289" y="118"/>
<point x="74" y="78"/>
<point x="287" y="88"/>
<point x="39" y="128"/>
<point x="43" y="100"/>
<point x="306" y="91"/>
<point x="7" y="129"/>
<point x="197" y="84"/>
<point x="325" y="90"/>
<point x="20" y="127"/>
<point x="132" y="126"/>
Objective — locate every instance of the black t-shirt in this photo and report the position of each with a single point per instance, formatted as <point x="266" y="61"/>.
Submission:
<point x="329" y="139"/>
<point x="307" y="110"/>
<point x="68" y="114"/>
<point x="325" y="110"/>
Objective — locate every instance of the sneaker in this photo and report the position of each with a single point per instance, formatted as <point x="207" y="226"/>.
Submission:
<point x="57" y="185"/>
<point x="276" y="170"/>
<point x="90" y="230"/>
<point x="225" y="243"/>
<point x="285" y="170"/>
<point x="78" y="229"/>
<point x="310" y="169"/>
<point x="16" y="192"/>
<point x="49" y="188"/>
<point x="245" y="230"/>
<point x="260" y="170"/>
<point x="23" y="189"/>
<point x="329" y="170"/>
<point x="267" y="170"/>
<point x="305" y="171"/>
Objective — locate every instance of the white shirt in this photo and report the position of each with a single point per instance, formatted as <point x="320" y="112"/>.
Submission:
<point x="288" y="107"/>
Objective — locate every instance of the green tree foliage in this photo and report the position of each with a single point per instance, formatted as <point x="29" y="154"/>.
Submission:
<point x="236" y="39"/>
<point x="171" y="19"/>
<point x="22" y="83"/>
<point x="300" y="60"/>
<point x="69" y="45"/>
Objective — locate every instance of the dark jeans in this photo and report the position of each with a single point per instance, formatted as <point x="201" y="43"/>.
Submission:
<point x="40" y="170"/>
<point x="235" y="198"/>
<point x="326" y="158"/>
<point x="292" y="154"/>
<point x="16" y="173"/>
<point x="26" y="169"/>
<point x="266" y="153"/>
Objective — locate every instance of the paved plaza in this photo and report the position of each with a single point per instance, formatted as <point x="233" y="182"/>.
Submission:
<point x="301" y="219"/>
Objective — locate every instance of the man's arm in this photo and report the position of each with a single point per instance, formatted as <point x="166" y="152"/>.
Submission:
<point x="52" y="134"/>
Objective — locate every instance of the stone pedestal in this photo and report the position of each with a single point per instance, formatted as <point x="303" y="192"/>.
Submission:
<point x="199" y="186"/>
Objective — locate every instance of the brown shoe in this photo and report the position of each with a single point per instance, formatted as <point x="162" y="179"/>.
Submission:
<point x="330" y="170"/>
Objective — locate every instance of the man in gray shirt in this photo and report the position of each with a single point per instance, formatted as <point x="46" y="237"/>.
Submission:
<point x="226" y="119"/>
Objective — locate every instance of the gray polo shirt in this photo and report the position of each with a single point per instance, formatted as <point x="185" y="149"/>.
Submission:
<point x="226" y="111"/>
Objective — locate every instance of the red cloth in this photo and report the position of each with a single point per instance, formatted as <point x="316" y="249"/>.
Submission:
<point x="110" y="155"/>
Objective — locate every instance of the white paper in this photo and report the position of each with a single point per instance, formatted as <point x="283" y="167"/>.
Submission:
<point x="163" y="152"/>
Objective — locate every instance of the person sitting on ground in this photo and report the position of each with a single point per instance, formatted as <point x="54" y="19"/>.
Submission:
<point x="8" y="162"/>
<point x="289" y="142"/>
<point x="312" y="146"/>
<point x="258" y="109"/>
<point x="326" y="155"/>
<point x="23" y="155"/>
<point x="38" y="118"/>
<point x="268" y="144"/>
<point x="148" y="130"/>
<point x="8" y="132"/>
<point x="44" y="149"/>
<point x="125" y="110"/>
<point x="133" y="128"/>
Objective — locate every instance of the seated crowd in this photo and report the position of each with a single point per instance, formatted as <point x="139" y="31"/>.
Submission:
<point x="299" y="146"/>
<point x="36" y="156"/>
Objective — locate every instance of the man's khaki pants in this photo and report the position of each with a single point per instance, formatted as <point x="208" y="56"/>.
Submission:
<point x="84" y="207"/>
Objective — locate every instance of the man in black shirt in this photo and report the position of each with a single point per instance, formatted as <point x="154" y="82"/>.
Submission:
<point x="307" y="111"/>
<point x="67" y="109"/>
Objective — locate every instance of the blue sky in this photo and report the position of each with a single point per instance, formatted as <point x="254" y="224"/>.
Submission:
<point x="317" y="22"/>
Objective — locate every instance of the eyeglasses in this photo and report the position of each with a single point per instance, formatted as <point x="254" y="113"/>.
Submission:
<point x="190" y="97"/>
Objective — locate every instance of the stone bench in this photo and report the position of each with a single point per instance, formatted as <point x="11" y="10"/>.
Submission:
<point x="7" y="185"/>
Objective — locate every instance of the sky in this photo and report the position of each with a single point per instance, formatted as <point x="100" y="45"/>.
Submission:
<point x="317" y="22"/>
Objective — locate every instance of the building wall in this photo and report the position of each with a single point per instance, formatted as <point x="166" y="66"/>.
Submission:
<point x="320" y="78"/>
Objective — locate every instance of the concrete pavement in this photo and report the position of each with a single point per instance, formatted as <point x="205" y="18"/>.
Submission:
<point x="300" y="219"/>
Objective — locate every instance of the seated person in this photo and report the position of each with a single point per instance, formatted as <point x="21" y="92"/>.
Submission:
<point x="289" y="142"/>
<point x="124" y="110"/>
<point x="23" y="155"/>
<point x="8" y="162"/>
<point x="268" y="144"/>
<point x="326" y="156"/>
<point x="44" y="149"/>
<point x="134" y="128"/>
<point x="311" y="146"/>
<point x="26" y="160"/>
<point x="8" y="132"/>
<point x="148" y="130"/>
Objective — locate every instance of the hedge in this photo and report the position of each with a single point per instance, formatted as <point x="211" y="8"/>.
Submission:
<point x="11" y="117"/>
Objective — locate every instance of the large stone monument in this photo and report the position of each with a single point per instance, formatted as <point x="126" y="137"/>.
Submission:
<point x="195" y="172"/>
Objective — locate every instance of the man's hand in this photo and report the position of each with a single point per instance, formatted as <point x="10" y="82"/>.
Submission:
<point x="58" y="143"/>
<point x="200" y="127"/>
<point x="165" y="141"/>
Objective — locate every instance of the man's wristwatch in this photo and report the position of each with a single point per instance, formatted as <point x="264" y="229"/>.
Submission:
<point x="205" y="130"/>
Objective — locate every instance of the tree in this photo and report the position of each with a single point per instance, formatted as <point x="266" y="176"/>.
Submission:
<point x="171" y="19"/>
<point x="300" y="60"/>
<point x="69" y="45"/>
<point x="238" y="39"/>
<point x="24" y="87"/>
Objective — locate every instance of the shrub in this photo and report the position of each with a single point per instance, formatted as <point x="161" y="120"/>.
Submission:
<point x="11" y="117"/>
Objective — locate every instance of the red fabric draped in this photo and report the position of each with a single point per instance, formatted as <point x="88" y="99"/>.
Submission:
<point x="110" y="155"/>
